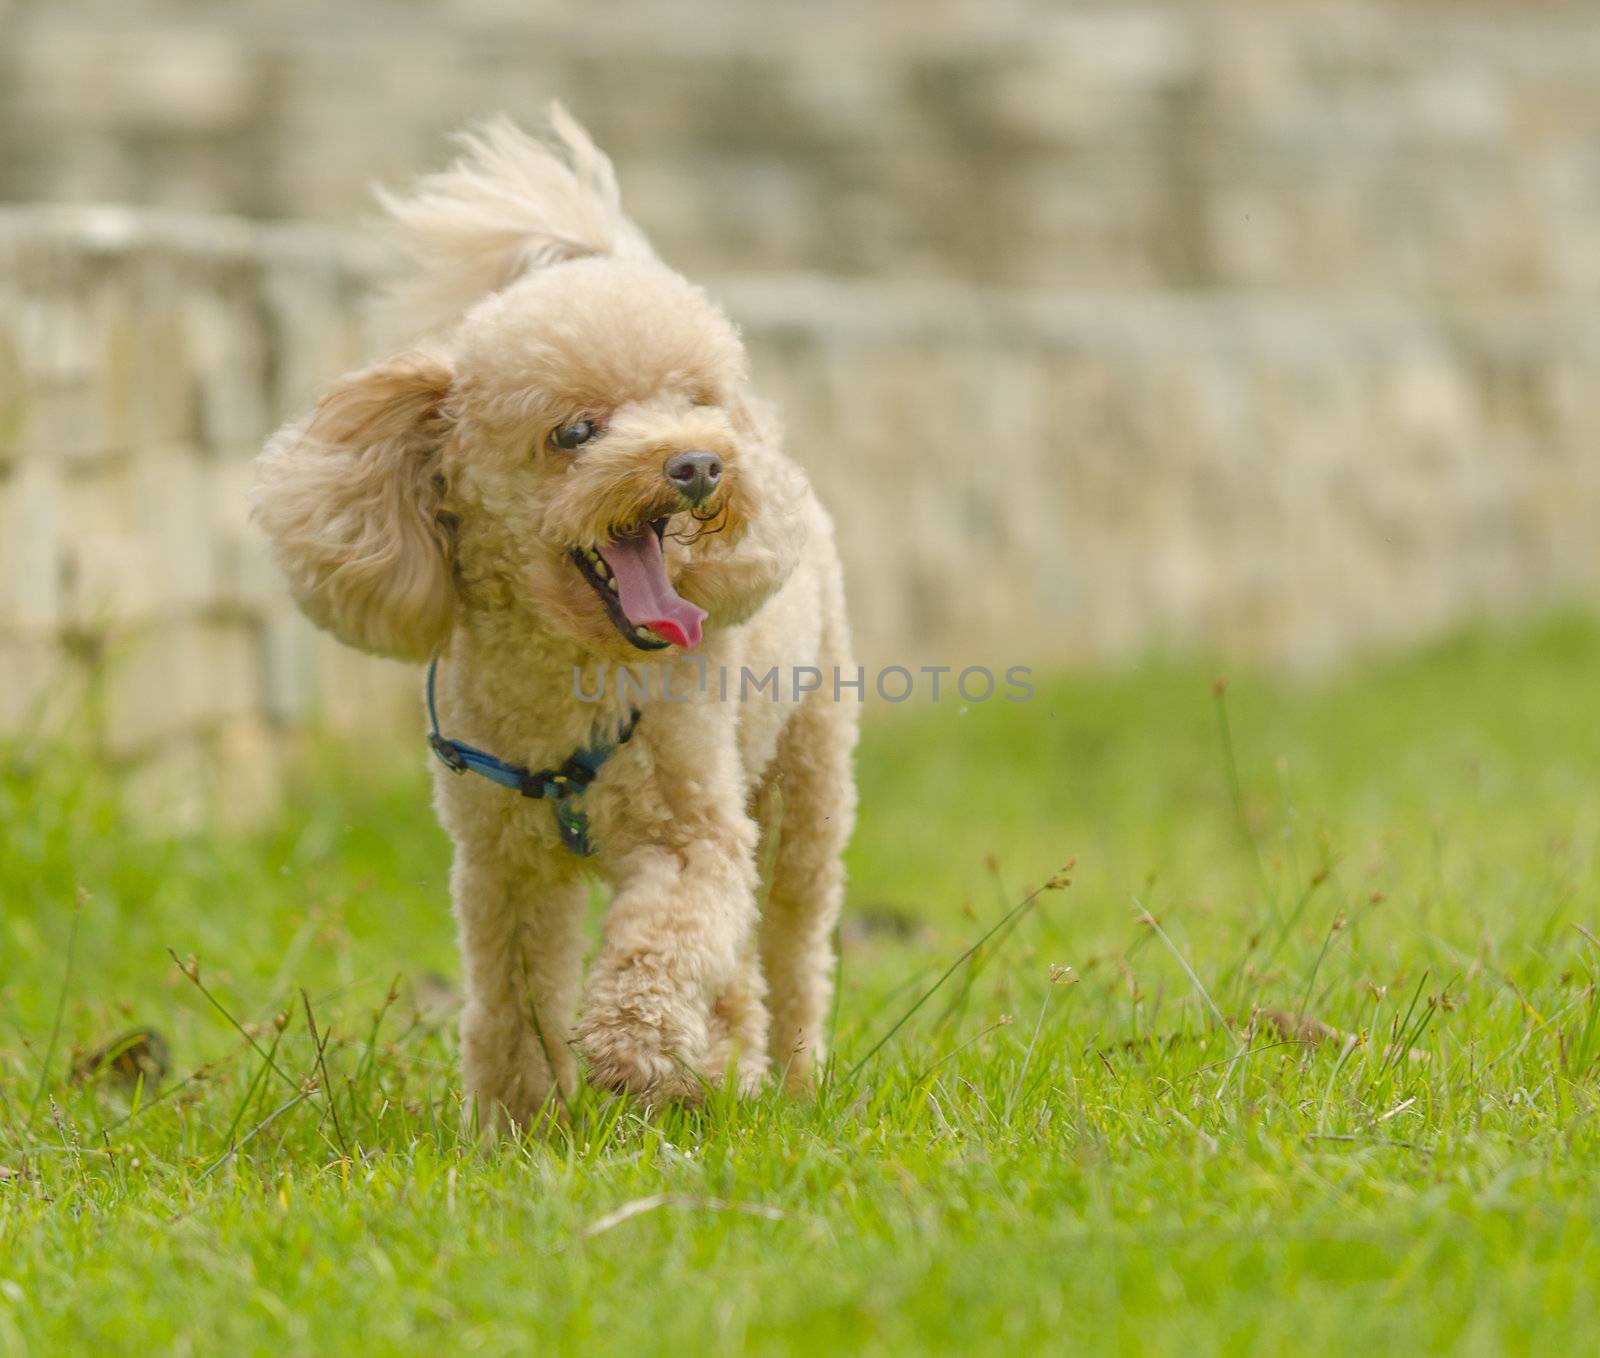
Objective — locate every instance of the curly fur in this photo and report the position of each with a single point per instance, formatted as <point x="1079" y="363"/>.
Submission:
<point x="421" y="510"/>
<point x="509" y="203"/>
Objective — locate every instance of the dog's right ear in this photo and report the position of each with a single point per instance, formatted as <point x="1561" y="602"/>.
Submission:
<point x="351" y="499"/>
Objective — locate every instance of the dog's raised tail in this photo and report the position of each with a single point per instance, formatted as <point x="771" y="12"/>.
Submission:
<point x="510" y="202"/>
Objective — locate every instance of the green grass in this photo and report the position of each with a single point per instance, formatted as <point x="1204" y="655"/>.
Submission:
<point x="1121" y="1161"/>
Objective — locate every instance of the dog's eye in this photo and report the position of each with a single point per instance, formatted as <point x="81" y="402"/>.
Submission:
<point x="574" y="435"/>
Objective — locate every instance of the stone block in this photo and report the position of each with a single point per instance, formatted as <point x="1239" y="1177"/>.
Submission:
<point x="244" y="772"/>
<point x="167" y="681"/>
<point x="44" y="692"/>
<point x="108" y="557"/>
<point x="168" y="788"/>
<point x="32" y="546"/>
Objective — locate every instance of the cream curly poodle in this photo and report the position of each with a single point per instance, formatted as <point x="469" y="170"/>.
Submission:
<point x="567" y="473"/>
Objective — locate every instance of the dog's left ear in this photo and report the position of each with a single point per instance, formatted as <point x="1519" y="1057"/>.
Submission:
<point x="351" y="500"/>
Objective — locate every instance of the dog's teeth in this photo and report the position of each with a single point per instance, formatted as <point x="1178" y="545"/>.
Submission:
<point x="643" y="633"/>
<point x="611" y="584"/>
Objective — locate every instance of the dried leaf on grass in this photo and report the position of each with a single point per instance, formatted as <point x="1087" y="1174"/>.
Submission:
<point x="138" y="1052"/>
<point x="1314" y="1032"/>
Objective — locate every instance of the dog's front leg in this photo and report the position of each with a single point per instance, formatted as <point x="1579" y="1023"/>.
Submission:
<point x="521" y="951"/>
<point x="680" y="851"/>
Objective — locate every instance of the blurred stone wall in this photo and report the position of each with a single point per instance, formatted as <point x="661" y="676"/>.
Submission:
<point x="1018" y="479"/>
<point x="1437" y="146"/>
<point x="1031" y="478"/>
<point x="142" y="355"/>
<point x="1267" y="329"/>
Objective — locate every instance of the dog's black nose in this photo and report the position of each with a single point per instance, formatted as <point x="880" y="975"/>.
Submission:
<point x="695" y="474"/>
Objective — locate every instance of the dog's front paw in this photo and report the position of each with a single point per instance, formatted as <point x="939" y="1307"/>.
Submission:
<point x="639" y="1037"/>
<point x="509" y="1080"/>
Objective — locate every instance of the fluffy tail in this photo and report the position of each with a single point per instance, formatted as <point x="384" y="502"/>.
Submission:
<point x="509" y="203"/>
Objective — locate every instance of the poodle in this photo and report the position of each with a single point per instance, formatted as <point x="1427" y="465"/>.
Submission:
<point x="564" y="499"/>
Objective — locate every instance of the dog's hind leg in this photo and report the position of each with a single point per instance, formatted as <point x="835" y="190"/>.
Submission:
<point x="521" y="950"/>
<point x="810" y="816"/>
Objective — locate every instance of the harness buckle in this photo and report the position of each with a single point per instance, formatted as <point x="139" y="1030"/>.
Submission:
<point x="576" y="773"/>
<point x="535" y="783"/>
<point x="449" y="756"/>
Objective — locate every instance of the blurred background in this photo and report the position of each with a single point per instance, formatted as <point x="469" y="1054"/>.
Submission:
<point x="1255" y="330"/>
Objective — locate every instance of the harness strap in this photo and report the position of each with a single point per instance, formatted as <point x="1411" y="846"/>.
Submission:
<point x="559" y="785"/>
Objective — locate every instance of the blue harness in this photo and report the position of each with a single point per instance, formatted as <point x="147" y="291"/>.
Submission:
<point x="563" y="786"/>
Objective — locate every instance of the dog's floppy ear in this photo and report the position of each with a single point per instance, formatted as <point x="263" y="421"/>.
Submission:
<point x="351" y="501"/>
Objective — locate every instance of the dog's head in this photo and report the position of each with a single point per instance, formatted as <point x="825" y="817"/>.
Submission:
<point x="576" y="455"/>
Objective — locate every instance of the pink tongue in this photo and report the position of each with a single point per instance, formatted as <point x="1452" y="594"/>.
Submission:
<point x="646" y="595"/>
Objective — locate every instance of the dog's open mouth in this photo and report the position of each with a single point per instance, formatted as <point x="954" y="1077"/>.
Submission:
<point x="630" y="575"/>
